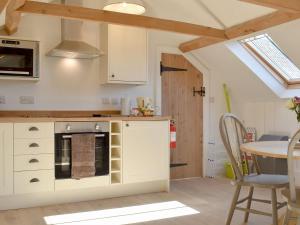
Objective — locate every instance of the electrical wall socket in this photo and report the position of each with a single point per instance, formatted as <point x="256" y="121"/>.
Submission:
<point x="26" y="100"/>
<point x="2" y="100"/>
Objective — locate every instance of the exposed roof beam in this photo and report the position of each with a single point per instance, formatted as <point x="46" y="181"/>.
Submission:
<point x="3" y="4"/>
<point x="80" y="13"/>
<point x="252" y="26"/>
<point x="287" y="5"/>
<point x="13" y="17"/>
<point x="261" y="23"/>
<point x="198" y="43"/>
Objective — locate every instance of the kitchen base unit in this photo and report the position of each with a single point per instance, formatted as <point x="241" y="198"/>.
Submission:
<point x="79" y="195"/>
<point x="131" y="158"/>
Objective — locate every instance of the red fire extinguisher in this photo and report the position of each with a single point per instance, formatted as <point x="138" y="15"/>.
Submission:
<point x="172" y="134"/>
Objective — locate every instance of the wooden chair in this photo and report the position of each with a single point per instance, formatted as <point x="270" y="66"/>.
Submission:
<point x="292" y="195"/>
<point x="234" y="134"/>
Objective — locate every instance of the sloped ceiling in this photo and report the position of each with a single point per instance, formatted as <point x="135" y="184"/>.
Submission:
<point x="244" y="84"/>
<point x="212" y="13"/>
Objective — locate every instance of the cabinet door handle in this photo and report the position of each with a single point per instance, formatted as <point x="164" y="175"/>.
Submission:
<point x="33" y="161"/>
<point x="127" y="124"/>
<point x="34" y="180"/>
<point x="113" y="75"/>
<point x="34" y="145"/>
<point x="33" y="129"/>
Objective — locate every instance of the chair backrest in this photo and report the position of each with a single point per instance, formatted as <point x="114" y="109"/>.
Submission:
<point x="293" y="155"/>
<point x="233" y="134"/>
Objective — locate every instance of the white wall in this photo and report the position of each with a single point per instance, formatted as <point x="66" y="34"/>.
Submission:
<point x="270" y="117"/>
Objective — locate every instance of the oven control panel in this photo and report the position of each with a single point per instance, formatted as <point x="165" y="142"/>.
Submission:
<point x="81" y="127"/>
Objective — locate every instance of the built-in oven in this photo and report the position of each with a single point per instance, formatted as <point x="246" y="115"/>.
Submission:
<point x="63" y="146"/>
<point x="19" y="58"/>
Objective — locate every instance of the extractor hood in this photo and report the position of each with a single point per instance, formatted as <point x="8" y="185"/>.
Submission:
<point x="75" y="50"/>
<point x="73" y="47"/>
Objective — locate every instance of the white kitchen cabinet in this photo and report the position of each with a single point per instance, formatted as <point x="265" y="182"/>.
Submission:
<point x="125" y="59"/>
<point x="6" y="159"/>
<point x="145" y="151"/>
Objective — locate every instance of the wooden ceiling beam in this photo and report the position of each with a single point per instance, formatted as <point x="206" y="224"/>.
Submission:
<point x="3" y="4"/>
<point x="200" y="42"/>
<point x="246" y="28"/>
<point x="80" y="13"/>
<point x="286" y="5"/>
<point x="13" y="17"/>
<point x="261" y="23"/>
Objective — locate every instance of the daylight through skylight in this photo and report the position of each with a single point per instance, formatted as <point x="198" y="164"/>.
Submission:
<point x="123" y="216"/>
<point x="269" y="52"/>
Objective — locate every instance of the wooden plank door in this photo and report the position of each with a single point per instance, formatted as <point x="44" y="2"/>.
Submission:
<point x="186" y="109"/>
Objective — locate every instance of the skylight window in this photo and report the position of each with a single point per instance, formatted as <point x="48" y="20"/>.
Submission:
<point x="269" y="54"/>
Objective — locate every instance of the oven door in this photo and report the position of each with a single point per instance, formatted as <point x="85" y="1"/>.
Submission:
<point x="16" y="62"/>
<point x="63" y="154"/>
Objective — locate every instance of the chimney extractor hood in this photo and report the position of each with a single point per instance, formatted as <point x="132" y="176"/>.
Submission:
<point x="73" y="48"/>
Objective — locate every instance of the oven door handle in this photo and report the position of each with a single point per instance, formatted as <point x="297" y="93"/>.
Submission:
<point x="14" y="72"/>
<point x="70" y="136"/>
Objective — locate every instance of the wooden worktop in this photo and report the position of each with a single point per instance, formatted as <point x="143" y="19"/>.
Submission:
<point x="79" y="119"/>
<point x="69" y="116"/>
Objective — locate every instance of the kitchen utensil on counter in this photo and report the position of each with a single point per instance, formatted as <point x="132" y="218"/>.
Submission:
<point x="125" y="106"/>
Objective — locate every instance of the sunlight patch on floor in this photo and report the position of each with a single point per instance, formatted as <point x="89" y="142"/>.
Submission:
<point x="126" y="215"/>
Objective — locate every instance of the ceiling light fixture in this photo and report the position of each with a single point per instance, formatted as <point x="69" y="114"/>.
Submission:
<point x="136" y="7"/>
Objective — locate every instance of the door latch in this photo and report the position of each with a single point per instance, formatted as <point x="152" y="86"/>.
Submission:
<point x="200" y="92"/>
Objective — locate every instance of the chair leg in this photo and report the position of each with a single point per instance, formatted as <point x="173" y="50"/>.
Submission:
<point x="274" y="207"/>
<point x="286" y="217"/>
<point x="249" y="204"/>
<point x="233" y="204"/>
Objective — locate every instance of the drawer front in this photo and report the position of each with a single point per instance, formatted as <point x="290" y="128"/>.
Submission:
<point x="33" y="146"/>
<point x="33" y="181"/>
<point x="34" y="130"/>
<point x="33" y="162"/>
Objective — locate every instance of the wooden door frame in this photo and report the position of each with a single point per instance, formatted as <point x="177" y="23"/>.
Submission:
<point x="207" y="107"/>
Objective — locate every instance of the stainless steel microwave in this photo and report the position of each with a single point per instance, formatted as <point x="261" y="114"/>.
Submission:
<point x="19" y="58"/>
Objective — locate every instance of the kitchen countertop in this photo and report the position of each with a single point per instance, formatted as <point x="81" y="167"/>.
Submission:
<point x="80" y="119"/>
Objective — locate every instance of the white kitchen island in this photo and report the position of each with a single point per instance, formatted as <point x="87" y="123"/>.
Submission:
<point x="139" y="161"/>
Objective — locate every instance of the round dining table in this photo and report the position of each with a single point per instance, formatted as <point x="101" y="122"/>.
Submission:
<point x="273" y="149"/>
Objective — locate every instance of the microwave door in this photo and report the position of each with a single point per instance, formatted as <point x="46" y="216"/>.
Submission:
<point x="16" y="61"/>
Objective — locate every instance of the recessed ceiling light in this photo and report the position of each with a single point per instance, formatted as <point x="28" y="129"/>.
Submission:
<point x="136" y="7"/>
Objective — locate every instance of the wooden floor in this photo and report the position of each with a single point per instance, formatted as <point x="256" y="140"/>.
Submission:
<point x="208" y="196"/>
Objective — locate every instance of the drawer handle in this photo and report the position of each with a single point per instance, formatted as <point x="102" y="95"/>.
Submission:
<point x="33" y="129"/>
<point x="34" y="145"/>
<point x="34" y="180"/>
<point x="34" y="161"/>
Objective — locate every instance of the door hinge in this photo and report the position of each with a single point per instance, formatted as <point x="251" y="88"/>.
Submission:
<point x="201" y="92"/>
<point x="169" y="69"/>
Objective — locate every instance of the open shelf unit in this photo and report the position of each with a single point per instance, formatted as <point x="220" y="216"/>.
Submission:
<point x="115" y="152"/>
